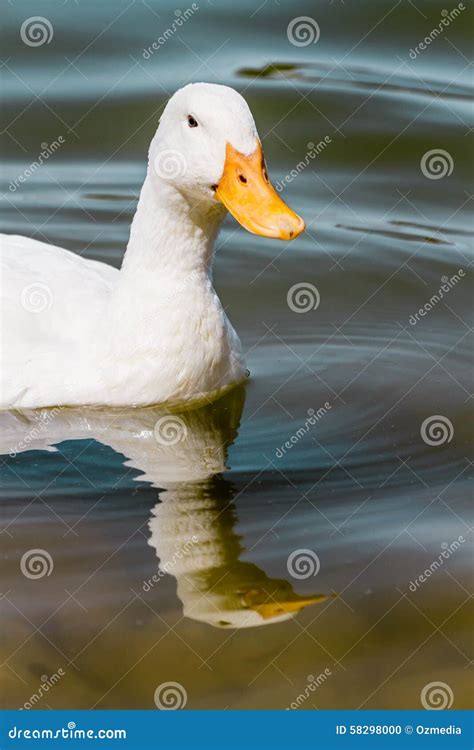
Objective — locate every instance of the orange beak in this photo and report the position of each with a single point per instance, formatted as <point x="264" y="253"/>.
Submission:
<point x="246" y="192"/>
<point x="269" y="610"/>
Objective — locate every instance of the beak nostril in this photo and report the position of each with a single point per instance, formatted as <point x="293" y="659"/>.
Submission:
<point x="242" y="179"/>
<point x="291" y="234"/>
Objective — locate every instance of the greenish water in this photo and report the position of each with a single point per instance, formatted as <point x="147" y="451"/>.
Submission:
<point x="322" y="450"/>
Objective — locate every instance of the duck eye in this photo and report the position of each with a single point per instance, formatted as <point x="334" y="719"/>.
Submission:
<point x="192" y="122"/>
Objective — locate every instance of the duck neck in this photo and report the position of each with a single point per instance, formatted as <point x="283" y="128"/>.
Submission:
<point x="171" y="236"/>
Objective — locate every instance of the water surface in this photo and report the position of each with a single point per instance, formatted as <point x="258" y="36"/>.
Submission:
<point x="170" y="559"/>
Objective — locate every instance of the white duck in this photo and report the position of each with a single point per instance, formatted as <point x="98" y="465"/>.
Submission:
<point x="77" y="331"/>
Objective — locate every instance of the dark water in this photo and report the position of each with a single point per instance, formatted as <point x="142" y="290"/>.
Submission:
<point x="324" y="449"/>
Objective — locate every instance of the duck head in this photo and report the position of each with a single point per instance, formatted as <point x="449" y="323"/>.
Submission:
<point x="207" y="148"/>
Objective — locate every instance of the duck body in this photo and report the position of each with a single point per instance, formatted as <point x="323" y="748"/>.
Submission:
<point x="81" y="336"/>
<point x="79" y="332"/>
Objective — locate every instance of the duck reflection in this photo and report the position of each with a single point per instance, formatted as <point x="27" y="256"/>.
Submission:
<point x="193" y="532"/>
<point x="192" y="527"/>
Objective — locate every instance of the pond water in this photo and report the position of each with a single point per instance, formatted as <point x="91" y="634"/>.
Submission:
<point x="272" y="547"/>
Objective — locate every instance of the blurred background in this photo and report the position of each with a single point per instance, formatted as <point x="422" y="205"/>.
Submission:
<point x="368" y="136"/>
